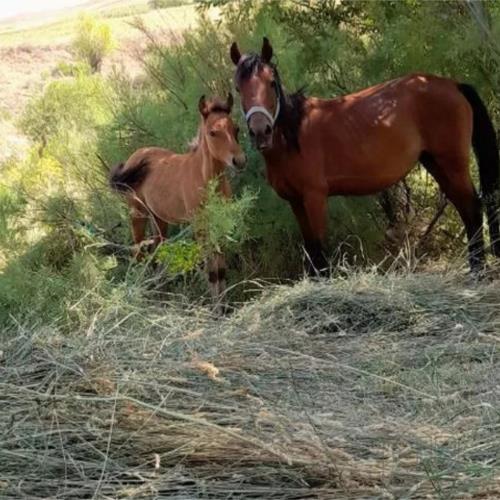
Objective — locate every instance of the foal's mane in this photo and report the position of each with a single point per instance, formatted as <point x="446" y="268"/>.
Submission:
<point x="214" y="106"/>
<point x="291" y="105"/>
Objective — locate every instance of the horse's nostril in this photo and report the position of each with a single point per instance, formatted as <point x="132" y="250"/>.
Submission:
<point x="268" y="129"/>
<point x="235" y="163"/>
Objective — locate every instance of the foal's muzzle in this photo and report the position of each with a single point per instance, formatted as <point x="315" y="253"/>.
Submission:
<point x="239" y="161"/>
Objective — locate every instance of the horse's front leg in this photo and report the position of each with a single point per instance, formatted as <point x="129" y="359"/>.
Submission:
<point x="216" y="271"/>
<point x="311" y="214"/>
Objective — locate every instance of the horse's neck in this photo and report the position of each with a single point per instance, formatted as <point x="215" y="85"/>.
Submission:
<point x="281" y="151"/>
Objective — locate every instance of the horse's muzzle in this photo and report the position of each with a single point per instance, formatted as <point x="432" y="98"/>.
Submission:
<point x="263" y="147"/>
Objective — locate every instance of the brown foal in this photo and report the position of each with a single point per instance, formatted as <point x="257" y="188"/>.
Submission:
<point x="164" y="187"/>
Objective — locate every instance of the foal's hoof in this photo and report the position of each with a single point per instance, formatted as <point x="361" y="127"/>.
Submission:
<point x="221" y="310"/>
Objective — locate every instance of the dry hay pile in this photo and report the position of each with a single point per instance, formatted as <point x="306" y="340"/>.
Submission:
<point x="371" y="387"/>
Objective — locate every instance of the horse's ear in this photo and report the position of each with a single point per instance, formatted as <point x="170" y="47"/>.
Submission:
<point x="235" y="53"/>
<point x="266" y="54"/>
<point x="230" y="101"/>
<point x="202" y="106"/>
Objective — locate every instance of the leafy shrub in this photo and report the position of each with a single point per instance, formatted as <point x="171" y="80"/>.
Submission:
<point x="77" y="105"/>
<point x="179" y="257"/>
<point x="222" y="224"/>
<point x="93" y="41"/>
<point x="64" y="68"/>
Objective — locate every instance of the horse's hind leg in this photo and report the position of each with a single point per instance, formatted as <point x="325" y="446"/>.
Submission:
<point x="453" y="177"/>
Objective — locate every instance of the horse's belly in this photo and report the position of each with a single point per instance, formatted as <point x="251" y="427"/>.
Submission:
<point x="367" y="179"/>
<point x="174" y="204"/>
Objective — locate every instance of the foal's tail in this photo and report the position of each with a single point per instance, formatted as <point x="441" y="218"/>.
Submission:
<point x="124" y="180"/>
<point x="484" y="142"/>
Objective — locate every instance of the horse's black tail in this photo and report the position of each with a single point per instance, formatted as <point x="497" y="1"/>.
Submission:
<point x="484" y="142"/>
<point x="126" y="179"/>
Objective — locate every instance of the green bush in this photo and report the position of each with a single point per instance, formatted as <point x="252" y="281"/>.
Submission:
<point x="222" y="224"/>
<point x="179" y="257"/>
<point x="93" y="41"/>
<point x="64" y="68"/>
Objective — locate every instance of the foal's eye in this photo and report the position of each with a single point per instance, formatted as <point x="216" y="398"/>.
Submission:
<point x="213" y="133"/>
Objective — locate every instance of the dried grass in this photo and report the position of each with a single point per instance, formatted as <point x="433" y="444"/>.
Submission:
<point x="367" y="387"/>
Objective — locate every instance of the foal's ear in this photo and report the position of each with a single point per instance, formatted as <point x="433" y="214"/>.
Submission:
<point x="235" y="53"/>
<point x="230" y="101"/>
<point x="203" y="107"/>
<point x="266" y="53"/>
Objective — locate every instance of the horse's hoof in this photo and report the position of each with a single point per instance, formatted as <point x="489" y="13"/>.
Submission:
<point x="479" y="275"/>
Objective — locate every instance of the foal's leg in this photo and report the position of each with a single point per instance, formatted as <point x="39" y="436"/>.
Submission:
<point x="139" y="220"/>
<point x="160" y="232"/>
<point x="138" y="231"/>
<point x="453" y="177"/>
<point x="311" y="213"/>
<point x="216" y="270"/>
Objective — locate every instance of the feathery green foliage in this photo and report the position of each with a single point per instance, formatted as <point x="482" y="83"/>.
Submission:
<point x="93" y="41"/>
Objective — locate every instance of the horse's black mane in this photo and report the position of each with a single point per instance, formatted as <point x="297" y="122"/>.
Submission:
<point x="291" y="105"/>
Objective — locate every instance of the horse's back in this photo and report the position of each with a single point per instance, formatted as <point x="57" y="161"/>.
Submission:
<point x="370" y="139"/>
<point x="171" y="188"/>
<point x="417" y="102"/>
<point x="151" y="155"/>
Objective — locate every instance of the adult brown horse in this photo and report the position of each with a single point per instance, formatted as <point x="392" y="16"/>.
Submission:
<point x="167" y="188"/>
<point x="364" y="142"/>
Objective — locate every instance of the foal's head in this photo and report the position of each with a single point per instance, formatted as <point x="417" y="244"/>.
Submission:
<point x="257" y="81"/>
<point x="220" y="132"/>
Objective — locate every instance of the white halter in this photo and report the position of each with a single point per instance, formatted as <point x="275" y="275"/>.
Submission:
<point x="264" y="111"/>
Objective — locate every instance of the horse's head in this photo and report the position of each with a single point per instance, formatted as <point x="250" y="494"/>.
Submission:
<point x="257" y="81"/>
<point x="220" y="132"/>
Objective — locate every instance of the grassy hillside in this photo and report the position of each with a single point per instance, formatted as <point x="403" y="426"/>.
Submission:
<point x="366" y="387"/>
<point x="58" y="28"/>
<point x="32" y="47"/>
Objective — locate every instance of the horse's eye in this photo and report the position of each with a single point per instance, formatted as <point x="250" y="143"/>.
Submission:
<point x="213" y="133"/>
